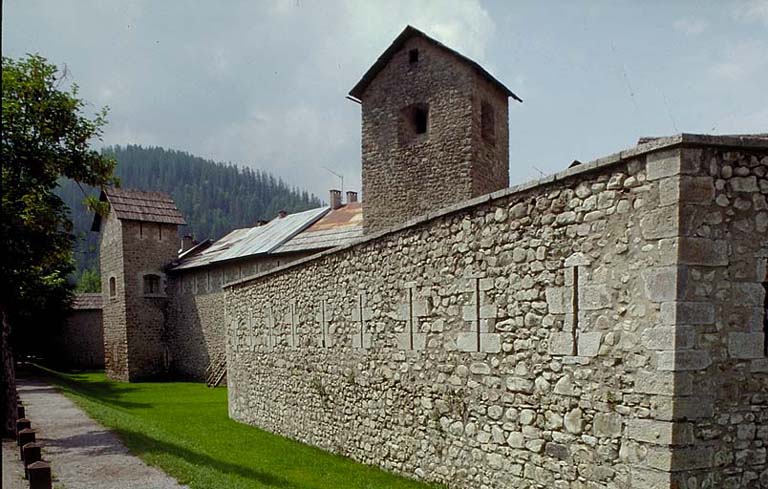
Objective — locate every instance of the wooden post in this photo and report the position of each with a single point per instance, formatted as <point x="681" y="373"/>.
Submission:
<point x="21" y="424"/>
<point x="40" y="475"/>
<point x="26" y="435"/>
<point x="32" y="454"/>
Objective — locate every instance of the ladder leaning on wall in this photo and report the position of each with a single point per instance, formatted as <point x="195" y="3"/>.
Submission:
<point x="216" y="371"/>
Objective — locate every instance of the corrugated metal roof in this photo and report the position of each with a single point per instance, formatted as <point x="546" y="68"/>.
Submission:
<point x="82" y="302"/>
<point x="339" y="227"/>
<point x="259" y="240"/>
<point x="138" y="205"/>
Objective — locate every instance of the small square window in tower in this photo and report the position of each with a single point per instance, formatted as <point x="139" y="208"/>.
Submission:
<point x="414" y="121"/>
<point x="151" y="284"/>
<point x="413" y="56"/>
<point x="487" y="122"/>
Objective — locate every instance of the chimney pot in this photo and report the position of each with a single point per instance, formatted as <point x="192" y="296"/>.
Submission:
<point x="335" y="199"/>
<point x="351" y="196"/>
<point x="281" y="214"/>
<point x="187" y="242"/>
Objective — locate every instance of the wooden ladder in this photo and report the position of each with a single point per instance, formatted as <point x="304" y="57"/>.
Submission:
<point x="216" y="371"/>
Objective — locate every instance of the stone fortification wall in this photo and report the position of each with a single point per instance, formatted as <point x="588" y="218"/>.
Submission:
<point x="501" y="344"/>
<point x="196" y="314"/>
<point x="80" y="342"/>
<point x="720" y="360"/>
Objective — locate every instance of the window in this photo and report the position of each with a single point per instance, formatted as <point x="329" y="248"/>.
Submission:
<point x="414" y="121"/>
<point x="413" y="56"/>
<point x="487" y="122"/>
<point x="112" y="287"/>
<point x="765" y="312"/>
<point x="151" y="284"/>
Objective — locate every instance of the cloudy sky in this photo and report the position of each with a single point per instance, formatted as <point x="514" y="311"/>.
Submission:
<point x="263" y="83"/>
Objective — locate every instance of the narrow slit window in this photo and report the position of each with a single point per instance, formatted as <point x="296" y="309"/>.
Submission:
<point x="487" y="122"/>
<point x="765" y="313"/>
<point x="420" y="120"/>
<point x="413" y="56"/>
<point x="112" y="287"/>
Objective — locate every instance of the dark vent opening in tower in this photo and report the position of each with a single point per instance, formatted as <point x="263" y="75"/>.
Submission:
<point x="487" y="122"/>
<point x="413" y="56"/>
<point x="420" y="119"/>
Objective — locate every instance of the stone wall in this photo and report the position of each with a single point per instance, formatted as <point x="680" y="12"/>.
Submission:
<point x="196" y="321"/>
<point x="112" y="271"/>
<point x="407" y="174"/>
<point x="555" y="335"/>
<point x="80" y="342"/>
<point x="719" y="360"/>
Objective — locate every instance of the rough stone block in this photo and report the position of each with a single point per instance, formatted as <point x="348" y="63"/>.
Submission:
<point x="589" y="343"/>
<point x="488" y="311"/>
<point x="746" y="345"/>
<point x="687" y="313"/>
<point x="668" y="338"/>
<point x="683" y="458"/>
<point x="744" y="184"/>
<point x="662" y="164"/>
<point x="490" y="343"/>
<point x="469" y="313"/>
<point x="577" y="260"/>
<point x="556" y="300"/>
<point x="561" y="343"/>
<point x="661" y="284"/>
<point x="666" y="408"/>
<point x="648" y="478"/>
<point x="466" y="341"/>
<point x="660" y="223"/>
<point x="683" y="360"/>
<point x="662" y="383"/>
<point x="595" y="297"/>
<point x="749" y="294"/>
<point x="607" y="425"/>
<point x="696" y="190"/>
<point x="660" y="432"/>
<point x="516" y="384"/>
<point x="420" y="308"/>
<point x="702" y="251"/>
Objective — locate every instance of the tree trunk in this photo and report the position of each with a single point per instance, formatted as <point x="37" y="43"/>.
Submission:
<point x="10" y="397"/>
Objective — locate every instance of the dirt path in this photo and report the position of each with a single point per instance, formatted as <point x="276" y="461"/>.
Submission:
<point x="13" y="471"/>
<point x="82" y="453"/>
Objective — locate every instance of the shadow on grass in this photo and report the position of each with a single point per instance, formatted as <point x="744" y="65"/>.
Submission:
<point x="142" y="445"/>
<point x="102" y="392"/>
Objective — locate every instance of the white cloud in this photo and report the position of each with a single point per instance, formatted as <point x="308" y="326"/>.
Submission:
<point x="753" y="10"/>
<point x="690" y="26"/>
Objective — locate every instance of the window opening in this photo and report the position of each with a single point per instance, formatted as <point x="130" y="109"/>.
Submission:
<point x="152" y="284"/>
<point x="420" y="119"/>
<point x="487" y="122"/>
<point x="160" y="232"/>
<point x="112" y="287"/>
<point x="765" y="312"/>
<point x="413" y="56"/>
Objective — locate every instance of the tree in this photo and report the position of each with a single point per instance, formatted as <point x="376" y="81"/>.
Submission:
<point x="45" y="137"/>
<point x="89" y="281"/>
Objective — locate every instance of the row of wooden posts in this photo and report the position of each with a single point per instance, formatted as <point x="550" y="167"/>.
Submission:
<point x="36" y="470"/>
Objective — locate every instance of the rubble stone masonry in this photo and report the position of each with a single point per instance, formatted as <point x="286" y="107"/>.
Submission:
<point x="600" y="328"/>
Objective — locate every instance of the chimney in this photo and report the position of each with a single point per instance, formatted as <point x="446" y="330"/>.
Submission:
<point x="281" y="214"/>
<point x="351" y="196"/>
<point x="259" y="222"/>
<point x="335" y="199"/>
<point x="186" y="243"/>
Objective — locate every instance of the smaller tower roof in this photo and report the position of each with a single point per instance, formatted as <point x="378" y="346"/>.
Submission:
<point x="138" y="205"/>
<point x="408" y="33"/>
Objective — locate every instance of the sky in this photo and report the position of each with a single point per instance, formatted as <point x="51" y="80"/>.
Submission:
<point x="263" y="83"/>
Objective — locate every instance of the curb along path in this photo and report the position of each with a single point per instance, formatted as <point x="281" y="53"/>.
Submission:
<point x="83" y="454"/>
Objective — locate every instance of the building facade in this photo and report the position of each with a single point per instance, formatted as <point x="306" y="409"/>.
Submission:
<point x="603" y="327"/>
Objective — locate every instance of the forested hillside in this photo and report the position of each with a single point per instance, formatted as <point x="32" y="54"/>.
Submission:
<point x="214" y="197"/>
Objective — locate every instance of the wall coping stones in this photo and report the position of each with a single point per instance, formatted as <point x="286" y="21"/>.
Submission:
<point x="652" y="146"/>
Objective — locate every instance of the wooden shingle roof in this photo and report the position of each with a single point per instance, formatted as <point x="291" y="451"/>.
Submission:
<point x="87" y="301"/>
<point x="138" y="205"/>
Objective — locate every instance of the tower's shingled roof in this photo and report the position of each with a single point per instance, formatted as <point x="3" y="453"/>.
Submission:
<point x="408" y="33"/>
<point x="138" y="205"/>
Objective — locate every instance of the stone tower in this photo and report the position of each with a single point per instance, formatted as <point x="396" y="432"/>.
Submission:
<point x="434" y="130"/>
<point x="139" y="238"/>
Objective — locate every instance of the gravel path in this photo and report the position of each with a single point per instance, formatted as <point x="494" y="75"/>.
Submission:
<point x="13" y="470"/>
<point x="82" y="453"/>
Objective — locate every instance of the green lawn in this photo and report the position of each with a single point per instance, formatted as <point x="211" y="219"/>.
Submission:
<point x="183" y="428"/>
